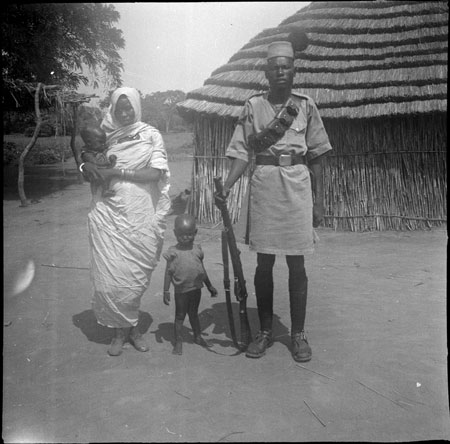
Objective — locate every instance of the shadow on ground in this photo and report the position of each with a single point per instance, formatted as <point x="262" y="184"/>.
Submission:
<point x="217" y="318"/>
<point x="100" y="334"/>
<point x="39" y="181"/>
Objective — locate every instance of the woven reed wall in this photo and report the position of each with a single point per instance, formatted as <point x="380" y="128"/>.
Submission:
<point x="384" y="174"/>
<point x="211" y="137"/>
<point x="387" y="174"/>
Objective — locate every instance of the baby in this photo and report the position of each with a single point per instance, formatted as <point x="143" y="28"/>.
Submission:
<point x="185" y="270"/>
<point x="94" y="139"/>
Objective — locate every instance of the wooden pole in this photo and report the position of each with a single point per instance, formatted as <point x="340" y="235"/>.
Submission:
<point x="23" y="198"/>
<point x="76" y="152"/>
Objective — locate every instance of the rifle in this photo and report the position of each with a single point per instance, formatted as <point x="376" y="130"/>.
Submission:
<point x="226" y="285"/>
<point x="240" y="291"/>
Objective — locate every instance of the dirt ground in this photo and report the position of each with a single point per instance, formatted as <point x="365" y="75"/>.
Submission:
<point x="376" y="322"/>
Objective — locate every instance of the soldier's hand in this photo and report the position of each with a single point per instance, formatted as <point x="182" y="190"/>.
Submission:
<point x="318" y="212"/>
<point x="166" y="297"/>
<point x="213" y="292"/>
<point x="220" y="199"/>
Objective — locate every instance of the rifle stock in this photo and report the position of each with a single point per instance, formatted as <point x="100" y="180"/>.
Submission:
<point x="240" y="289"/>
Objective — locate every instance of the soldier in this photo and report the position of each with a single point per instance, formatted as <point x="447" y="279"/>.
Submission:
<point x="284" y="131"/>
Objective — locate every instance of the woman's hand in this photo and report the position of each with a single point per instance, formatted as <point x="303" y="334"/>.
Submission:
<point x="318" y="213"/>
<point x="104" y="175"/>
<point x="91" y="173"/>
<point x="108" y="173"/>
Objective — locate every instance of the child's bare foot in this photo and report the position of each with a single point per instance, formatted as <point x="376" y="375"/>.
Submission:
<point x="178" y="348"/>
<point x="200" y="341"/>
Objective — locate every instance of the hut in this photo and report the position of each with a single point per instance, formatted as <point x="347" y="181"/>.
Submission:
<point x="378" y="73"/>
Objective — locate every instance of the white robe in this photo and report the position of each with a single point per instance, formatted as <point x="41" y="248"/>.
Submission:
<point x="126" y="230"/>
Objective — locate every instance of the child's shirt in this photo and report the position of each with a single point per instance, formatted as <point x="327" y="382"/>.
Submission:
<point x="185" y="268"/>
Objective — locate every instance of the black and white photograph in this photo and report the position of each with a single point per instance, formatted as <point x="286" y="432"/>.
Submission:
<point x="225" y="222"/>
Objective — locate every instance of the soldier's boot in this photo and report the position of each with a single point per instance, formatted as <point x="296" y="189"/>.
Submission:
<point x="263" y="281"/>
<point x="257" y="348"/>
<point x="298" y="293"/>
<point x="178" y="346"/>
<point x="120" y="336"/>
<point x="301" y="351"/>
<point x="137" y="340"/>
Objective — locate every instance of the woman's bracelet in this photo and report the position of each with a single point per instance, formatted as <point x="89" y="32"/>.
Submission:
<point x="81" y="167"/>
<point x="127" y="174"/>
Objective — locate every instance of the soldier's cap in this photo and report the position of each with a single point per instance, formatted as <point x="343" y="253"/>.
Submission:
<point x="296" y="41"/>
<point x="280" y="49"/>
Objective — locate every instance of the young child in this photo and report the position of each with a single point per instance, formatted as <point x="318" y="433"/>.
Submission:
<point x="94" y="139"/>
<point x="185" y="270"/>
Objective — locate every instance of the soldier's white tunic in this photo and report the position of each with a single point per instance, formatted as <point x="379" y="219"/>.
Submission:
<point x="280" y="210"/>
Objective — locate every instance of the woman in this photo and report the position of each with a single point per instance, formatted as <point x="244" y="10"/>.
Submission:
<point x="126" y="230"/>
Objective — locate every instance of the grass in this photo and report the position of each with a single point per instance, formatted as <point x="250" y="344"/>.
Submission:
<point x="45" y="142"/>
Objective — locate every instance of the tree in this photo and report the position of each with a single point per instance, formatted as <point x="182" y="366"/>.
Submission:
<point x="23" y="198"/>
<point x="47" y="46"/>
<point x="51" y="43"/>
<point x="159" y="108"/>
<point x="60" y="98"/>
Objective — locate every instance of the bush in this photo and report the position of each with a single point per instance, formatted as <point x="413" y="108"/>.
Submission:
<point x="46" y="130"/>
<point x="39" y="155"/>
<point x="48" y="155"/>
<point x="11" y="153"/>
<point x="15" y="122"/>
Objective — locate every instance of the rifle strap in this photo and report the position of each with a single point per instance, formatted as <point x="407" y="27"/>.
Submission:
<point x="227" y="289"/>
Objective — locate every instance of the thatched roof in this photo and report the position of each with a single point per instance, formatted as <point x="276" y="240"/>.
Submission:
<point x="364" y="59"/>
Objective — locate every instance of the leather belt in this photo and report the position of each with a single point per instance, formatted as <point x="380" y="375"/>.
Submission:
<point x="281" y="160"/>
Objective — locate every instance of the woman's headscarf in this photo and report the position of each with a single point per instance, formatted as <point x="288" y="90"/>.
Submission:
<point x="110" y="124"/>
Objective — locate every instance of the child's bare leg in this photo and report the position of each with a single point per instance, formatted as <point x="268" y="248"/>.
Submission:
<point x="107" y="191"/>
<point x="178" y="344"/>
<point x="181" y="307"/>
<point x="194" y="303"/>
